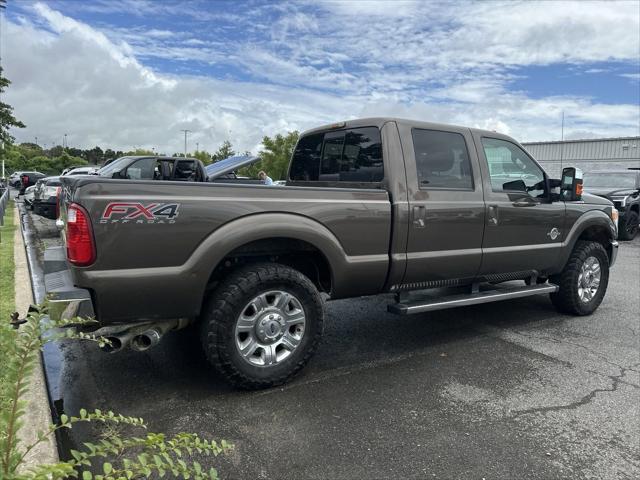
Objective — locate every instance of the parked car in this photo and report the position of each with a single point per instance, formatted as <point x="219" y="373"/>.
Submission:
<point x="155" y="168"/>
<point x="27" y="179"/>
<point x="14" y="178"/>
<point x="622" y="187"/>
<point x="80" y="171"/>
<point x="68" y="169"/>
<point x="45" y="201"/>
<point x="29" y="193"/>
<point x="371" y="206"/>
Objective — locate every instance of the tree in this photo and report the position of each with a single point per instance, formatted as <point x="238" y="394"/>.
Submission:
<point x="7" y="120"/>
<point x="203" y="156"/>
<point x="275" y="156"/>
<point x="95" y="155"/>
<point x="225" y="151"/>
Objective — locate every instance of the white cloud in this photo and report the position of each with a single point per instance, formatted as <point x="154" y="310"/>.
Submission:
<point x="70" y="77"/>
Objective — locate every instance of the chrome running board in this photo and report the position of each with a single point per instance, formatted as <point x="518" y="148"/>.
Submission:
<point x="495" y="294"/>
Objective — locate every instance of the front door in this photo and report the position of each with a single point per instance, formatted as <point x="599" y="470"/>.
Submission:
<point x="524" y="230"/>
<point x="446" y="205"/>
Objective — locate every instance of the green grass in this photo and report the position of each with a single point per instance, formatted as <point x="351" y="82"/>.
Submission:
<point x="7" y="266"/>
<point x="7" y="299"/>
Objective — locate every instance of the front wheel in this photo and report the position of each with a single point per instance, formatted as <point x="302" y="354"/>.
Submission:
<point x="584" y="280"/>
<point x="262" y="325"/>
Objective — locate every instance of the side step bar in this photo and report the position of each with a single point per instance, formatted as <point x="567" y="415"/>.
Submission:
<point x="461" y="300"/>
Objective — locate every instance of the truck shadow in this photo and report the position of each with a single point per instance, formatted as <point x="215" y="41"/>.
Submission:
<point x="357" y="332"/>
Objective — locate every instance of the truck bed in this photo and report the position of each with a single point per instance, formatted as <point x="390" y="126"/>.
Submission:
<point x="166" y="258"/>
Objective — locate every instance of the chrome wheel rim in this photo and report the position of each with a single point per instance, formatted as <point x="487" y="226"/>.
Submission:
<point x="270" y="328"/>
<point x="589" y="279"/>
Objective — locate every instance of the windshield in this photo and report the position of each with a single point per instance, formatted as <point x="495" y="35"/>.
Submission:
<point x="114" y="166"/>
<point x="613" y="180"/>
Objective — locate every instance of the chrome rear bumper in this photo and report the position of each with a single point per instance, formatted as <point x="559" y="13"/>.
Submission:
<point x="65" y="300"/>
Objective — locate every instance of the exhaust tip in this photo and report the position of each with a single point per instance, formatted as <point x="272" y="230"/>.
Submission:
<point x="145" y="340"/>
<point x="114" y="345"/>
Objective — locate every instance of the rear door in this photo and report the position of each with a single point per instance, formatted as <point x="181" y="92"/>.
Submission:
<point x="524" y="229"/>
<point x="446" y="205"/>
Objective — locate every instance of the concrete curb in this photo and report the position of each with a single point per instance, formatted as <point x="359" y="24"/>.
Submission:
<point x="39" y="413"/>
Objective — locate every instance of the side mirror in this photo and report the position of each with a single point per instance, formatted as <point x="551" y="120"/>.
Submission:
<point x="571" y="186"/>
<point x="517" y="185"/>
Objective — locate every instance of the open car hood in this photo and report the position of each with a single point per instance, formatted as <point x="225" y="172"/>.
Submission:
<point x="229" y="165"/>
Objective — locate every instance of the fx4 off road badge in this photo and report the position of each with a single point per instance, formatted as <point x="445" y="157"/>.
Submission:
<point x="133" y="212"/>
<point x="553" y="233"/>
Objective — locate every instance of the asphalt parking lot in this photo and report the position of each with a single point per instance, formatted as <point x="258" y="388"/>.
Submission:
<point x="506" y="390"/>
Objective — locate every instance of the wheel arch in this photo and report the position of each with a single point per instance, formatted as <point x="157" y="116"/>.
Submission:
<point x="595" y="226"/>
<point x="290" y="239"/>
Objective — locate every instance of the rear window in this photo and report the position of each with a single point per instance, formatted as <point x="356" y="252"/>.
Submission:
<point x="344" y="156"/>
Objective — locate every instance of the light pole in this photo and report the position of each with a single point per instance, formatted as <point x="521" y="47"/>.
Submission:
<point x="185" y="141"/>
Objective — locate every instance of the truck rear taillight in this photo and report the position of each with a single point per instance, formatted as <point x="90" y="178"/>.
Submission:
<point x="81" y="249"/>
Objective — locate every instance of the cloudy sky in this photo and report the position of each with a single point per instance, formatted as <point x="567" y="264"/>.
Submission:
<point x="127" y="73"/>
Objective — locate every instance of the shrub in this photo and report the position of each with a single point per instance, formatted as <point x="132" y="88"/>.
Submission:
<point x="135" y="456"/>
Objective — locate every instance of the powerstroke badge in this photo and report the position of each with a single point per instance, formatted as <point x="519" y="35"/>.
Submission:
<point x="133" y="212"/>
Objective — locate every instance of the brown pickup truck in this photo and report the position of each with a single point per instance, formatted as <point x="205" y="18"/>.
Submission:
<point x="439" y="215"/>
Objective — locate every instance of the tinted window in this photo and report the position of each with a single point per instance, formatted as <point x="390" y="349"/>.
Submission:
<point x="353" y="155"/>
<point x="185" y="171"/>
<point x="305" y="164"/>
<point x="511" y="169"/>
<point x="442" y="160"/>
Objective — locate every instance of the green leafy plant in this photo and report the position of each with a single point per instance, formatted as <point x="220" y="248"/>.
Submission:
<point x="118" y="456"/>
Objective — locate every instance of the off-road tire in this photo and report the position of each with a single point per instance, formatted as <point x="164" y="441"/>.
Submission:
<point x="629" y="229"/>
<point x="567" y="299"/>
<point x="217" y="323"/>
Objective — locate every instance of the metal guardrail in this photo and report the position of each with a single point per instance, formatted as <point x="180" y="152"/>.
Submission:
<point x="4" y="200"/>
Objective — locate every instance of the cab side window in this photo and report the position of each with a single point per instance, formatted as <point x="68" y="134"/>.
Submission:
<point x="442" y="160"/>
<point x="511" y="169"/>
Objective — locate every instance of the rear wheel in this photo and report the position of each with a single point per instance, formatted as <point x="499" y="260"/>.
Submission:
<point x="629" y="228"/>
<point x="584" y="280"/>
<point x="262" y="325"/>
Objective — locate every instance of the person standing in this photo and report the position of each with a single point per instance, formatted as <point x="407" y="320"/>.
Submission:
<point x="266" y="179"/>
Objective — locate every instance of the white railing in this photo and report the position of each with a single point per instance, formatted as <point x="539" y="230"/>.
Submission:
<point x="4" y="200"/>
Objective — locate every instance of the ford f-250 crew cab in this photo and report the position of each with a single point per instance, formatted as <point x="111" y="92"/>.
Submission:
<point x="441" y="216"/>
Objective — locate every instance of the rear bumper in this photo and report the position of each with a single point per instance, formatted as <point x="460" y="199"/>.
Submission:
<point x="65" y="300"/>
<point x="46" y="209"/>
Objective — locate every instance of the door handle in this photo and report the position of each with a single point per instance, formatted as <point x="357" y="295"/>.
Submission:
<point x="525" y="202"/>
<point x="493" y="215"/>
<point x="419" y="214"/>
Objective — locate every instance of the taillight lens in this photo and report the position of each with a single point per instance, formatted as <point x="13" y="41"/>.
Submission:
<point x="25" y="180"/>
<point x="81" y="250"/>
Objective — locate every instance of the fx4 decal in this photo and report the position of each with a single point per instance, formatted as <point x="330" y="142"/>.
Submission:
<point x="134" y="212"/>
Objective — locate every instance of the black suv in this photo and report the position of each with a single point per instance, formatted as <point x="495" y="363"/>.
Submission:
<point x="622" y="187"/>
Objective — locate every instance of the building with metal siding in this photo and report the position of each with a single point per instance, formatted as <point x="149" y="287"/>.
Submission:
<point x="588" y="155"/>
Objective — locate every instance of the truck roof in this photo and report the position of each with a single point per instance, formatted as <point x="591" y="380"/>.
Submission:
<point x="380" y="121"/>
